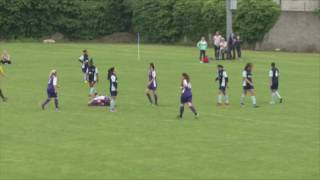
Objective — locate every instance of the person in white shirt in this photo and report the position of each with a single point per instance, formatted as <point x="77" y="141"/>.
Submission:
<point x="216" y="43"/>
<point x="223" y="49"/>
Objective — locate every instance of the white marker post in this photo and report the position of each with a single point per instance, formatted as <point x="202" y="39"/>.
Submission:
<point x="138" y="41"/>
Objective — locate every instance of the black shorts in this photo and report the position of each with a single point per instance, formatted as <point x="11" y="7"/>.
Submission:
<point x="274" y="86"/>
<point x="248" y="87"/>
<point x="114" y="93"/>
<point x="91" y="79"/>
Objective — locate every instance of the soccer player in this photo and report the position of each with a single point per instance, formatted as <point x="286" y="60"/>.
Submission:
<point x="2" y="75"/>
<point x="52" y="90"/>
<point x="152" y="85"/>
<point x="186" y="96"/>
<point x="84" y="60"/>
<point x="99" y="101"/>
<point x="92" y="77"/>
<point x="223" y="85"/>
<point x="248" y="85"/>
<point x="274" y="83"/>
<point x="203" y="46"/>
<point x="112" y="77"/>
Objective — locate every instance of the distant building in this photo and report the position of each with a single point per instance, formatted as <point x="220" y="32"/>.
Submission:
<point x="298" y="28"/>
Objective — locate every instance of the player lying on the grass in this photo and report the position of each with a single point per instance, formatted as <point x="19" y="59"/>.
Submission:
<point x="223" y="85"/>
<point x="84" y="60"/>
<point x="274" y="83"/>
<point x="99" y="101"/>
<point x="112" y="77"/>
<point x="5" y="58"/>
<point x="186" y="96"/>
<point x="152" y="85"/>
<point x="2" y="75"/>
<point x="248" y="85"/>
<point x="92" y="77"/>
<point x="52" y="90"/>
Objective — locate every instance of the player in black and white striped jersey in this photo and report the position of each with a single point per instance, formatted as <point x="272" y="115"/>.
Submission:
<point x="274" y="74"/>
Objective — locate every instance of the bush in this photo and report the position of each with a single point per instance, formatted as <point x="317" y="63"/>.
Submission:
<point x="254" y="18"/>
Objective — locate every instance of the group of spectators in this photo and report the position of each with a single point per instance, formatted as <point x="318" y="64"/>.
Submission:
<point x="229" y="48"/>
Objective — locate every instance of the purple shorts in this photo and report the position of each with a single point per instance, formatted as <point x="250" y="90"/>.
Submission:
<point x="152" y="87"/>
<point x="185" y="99"/>
<point x="51" y="93"/>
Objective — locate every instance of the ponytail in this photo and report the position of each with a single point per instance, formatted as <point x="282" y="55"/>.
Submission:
<point x="110" y="72"/>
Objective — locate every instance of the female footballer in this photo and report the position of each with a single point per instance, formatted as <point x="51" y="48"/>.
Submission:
<point x="223" y="80"/>
<point x="186" y="95"/>
<point x="274" y="83"/>
<point x="112" y="77"/>
<point x="152" y="85"/>
<point x="84" y="60"/>
<point x="52" y="90"/>
<point x="248" y="85"/>
<point x="92" y="77"/>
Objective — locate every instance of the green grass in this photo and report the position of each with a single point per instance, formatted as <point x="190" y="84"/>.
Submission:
<point x="145" y="142"/>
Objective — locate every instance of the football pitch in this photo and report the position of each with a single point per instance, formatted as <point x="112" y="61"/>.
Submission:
<point x="141" y="141"/>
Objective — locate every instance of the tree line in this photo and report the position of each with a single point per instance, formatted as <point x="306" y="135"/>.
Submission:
<point x="157" y="20"/>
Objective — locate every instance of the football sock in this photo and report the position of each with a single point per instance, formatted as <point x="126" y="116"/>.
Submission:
<point x="273" y="97"/>
<point x="156" y="99"/>
<point x="254" y="101"/>
<point x="84" y="77"/>
<point x="278" y="94"/>
<point x="181" y="111"/>
<point x="1" y="95"/>
<point x="112" y="104"/>
<point x="149" y="97"/>
<point x="226" y="98"/>
<point x="45" y="102"/>
<point x="219" y="98"/>
<point x="242" y="98"/>
<point x="193" y="110"/>
<point x="56" y="103"/>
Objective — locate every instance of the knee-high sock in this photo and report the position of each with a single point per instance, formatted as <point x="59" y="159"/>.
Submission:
<point x="278" y="94"/>
<point x="149" y="98"/>
<point x="273" y="97"/>
<point x="84" y="77"/>
<point x="112" y="104"/>
<point x="219" y="98"/>
<point x="181" y="110"/>
<point x="226" y="99"/>
<point x="254" y="100"/>
<point x="193" y="110"/>
<point x="56" y="103"/>
<point x="46" y="102"/>
<point x="243" y="96"/>
<point x="1" y="94"/>
<point x="156" y="99"/>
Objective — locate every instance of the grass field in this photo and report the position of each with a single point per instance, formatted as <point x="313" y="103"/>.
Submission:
<point x="145" y="142"/>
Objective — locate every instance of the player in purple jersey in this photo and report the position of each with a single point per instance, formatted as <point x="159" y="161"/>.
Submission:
<point x="223" y="80"/>
<point x="186" y="95"/>
<point x="152" y="85"/>
<point x="248" y="85"/>
<point x="52" y="90"/>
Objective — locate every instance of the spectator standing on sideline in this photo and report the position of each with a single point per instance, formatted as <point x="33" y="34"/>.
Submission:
<point x="231" y="46"/>
<point x="223" y="49"/>
<point x="238" y="46"/>
<point x="203" y="46"/>
<point x="216" y="43"/>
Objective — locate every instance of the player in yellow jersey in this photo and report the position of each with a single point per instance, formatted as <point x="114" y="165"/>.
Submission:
<point x="1" y="79"/>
